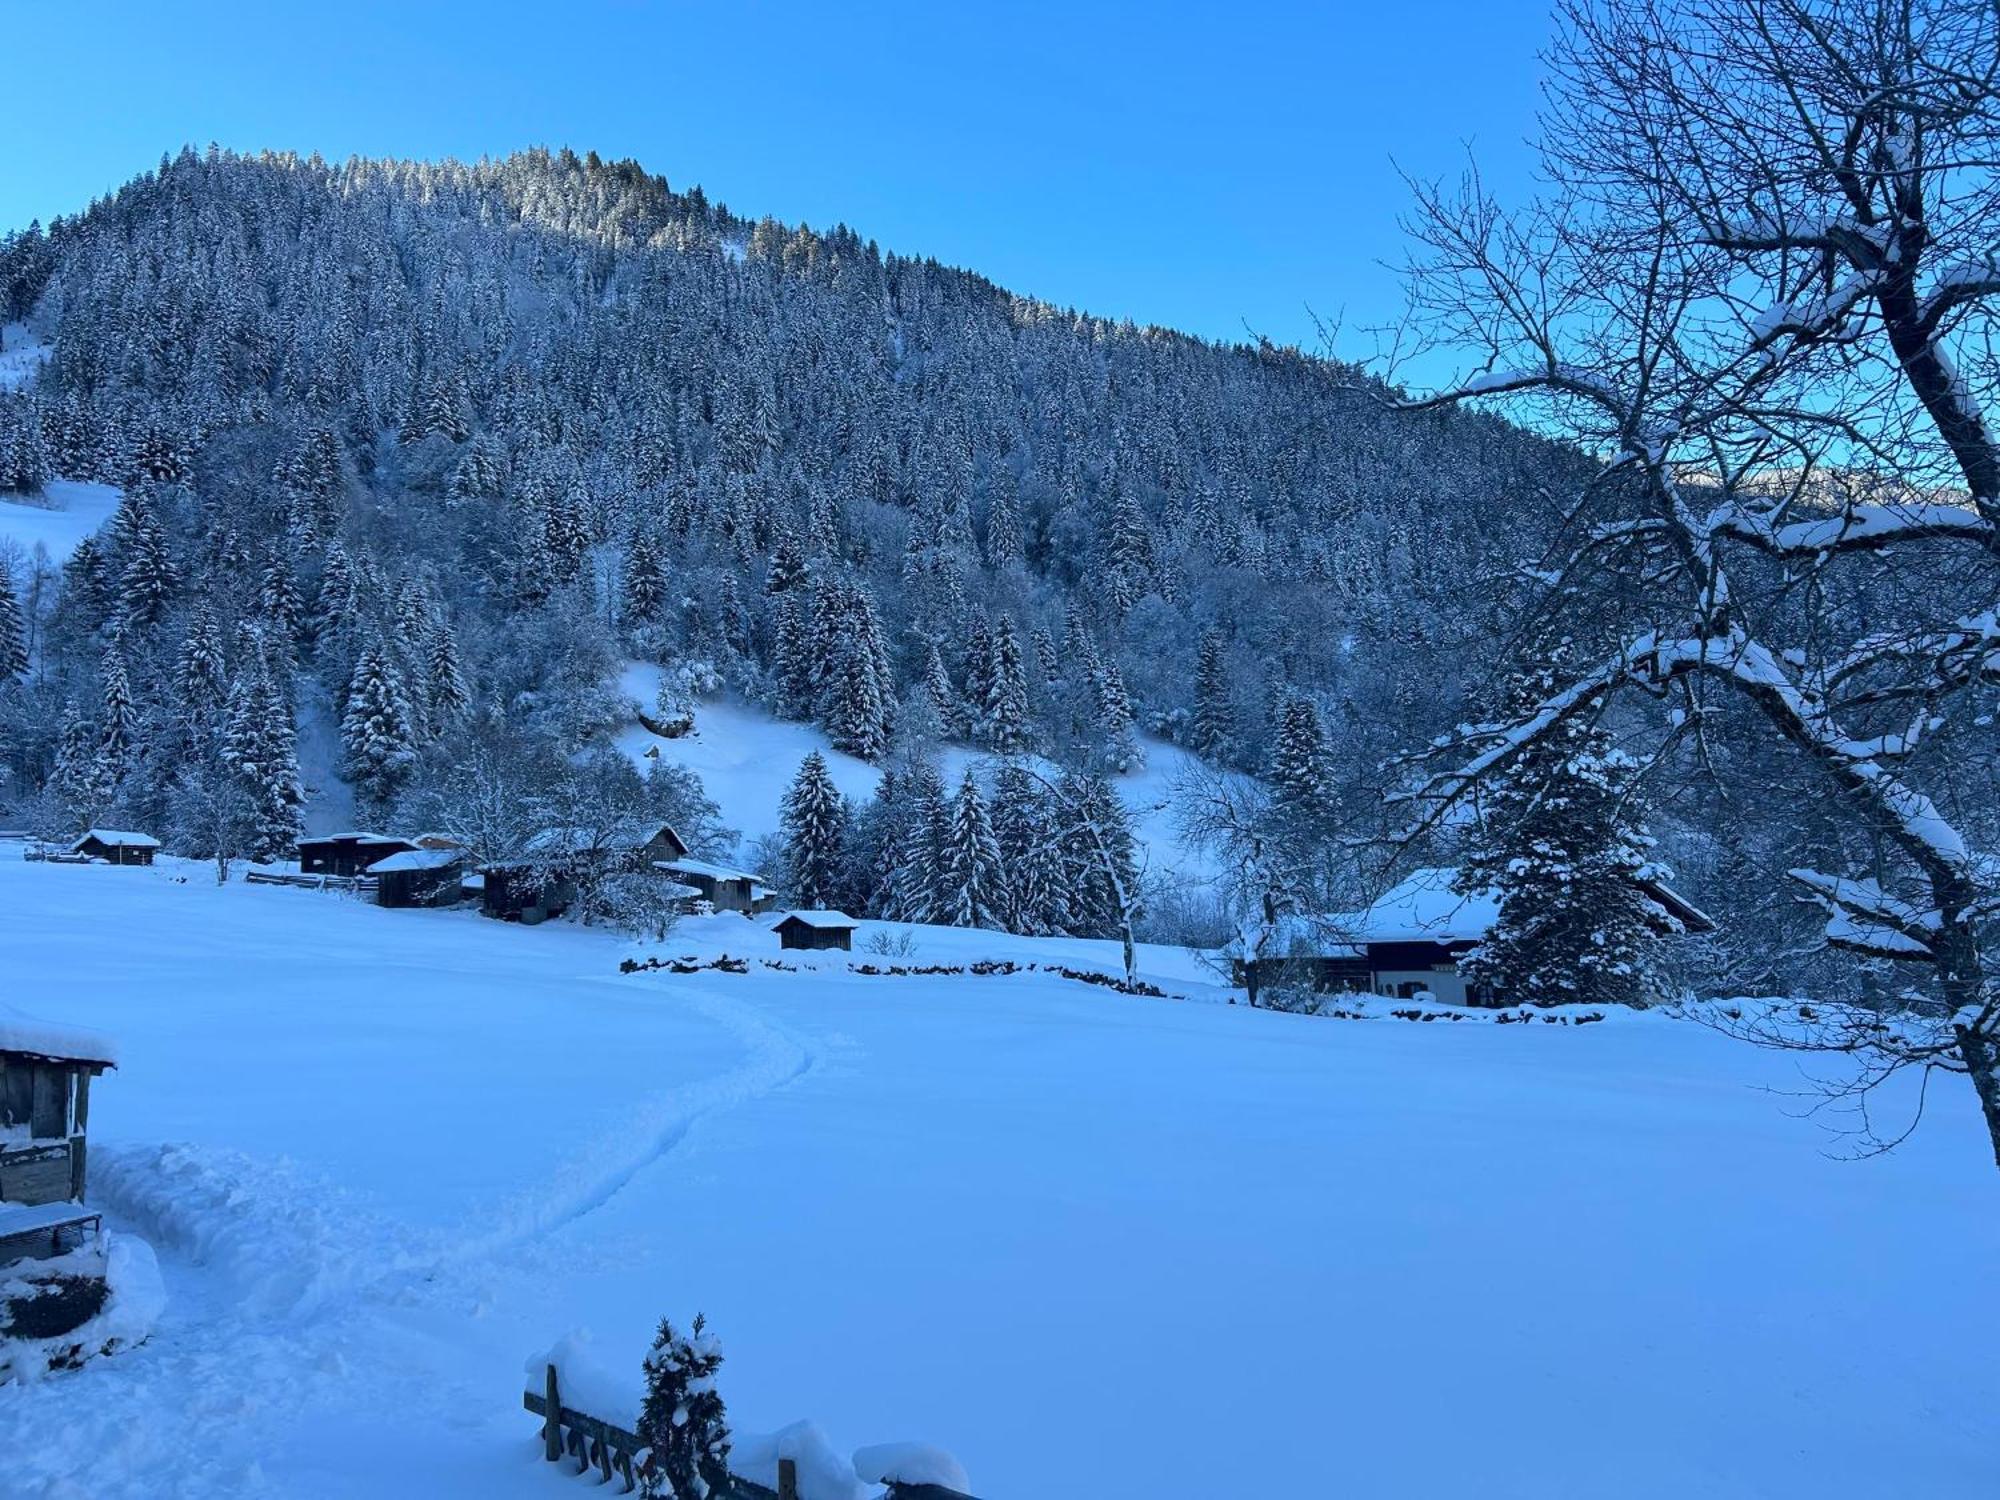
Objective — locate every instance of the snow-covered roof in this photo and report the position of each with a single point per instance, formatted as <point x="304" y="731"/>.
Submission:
<point x="417" y="859"/>
<point x="117" y="839"/>
<point x="817" y="919"/>
<point x="21" y="1032"/>
<point x="583" y="840"/>
<point x="354" y="838"/>
<point x="1423" y="909"/>
<point x="706" y="868"/>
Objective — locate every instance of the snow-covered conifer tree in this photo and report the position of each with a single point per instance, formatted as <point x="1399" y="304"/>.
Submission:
<point x="1004" y="718"/>
<point x="815" y="822"/>
<point x="973" y="891"/>
<point x="13" y="637"/>
<point x="1213" y="733"/>
<point x="1561" y="842"/>
<point x="376" y="731"/>
<point x="682" y="1422"/>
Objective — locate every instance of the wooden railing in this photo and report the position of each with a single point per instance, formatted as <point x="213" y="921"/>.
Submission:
<point x="364" y="885"/>
<point x="612" y="1452"/>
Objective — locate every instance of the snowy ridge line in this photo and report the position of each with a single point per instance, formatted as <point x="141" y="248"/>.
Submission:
<point x="592" y="1178"/>
<point x="284" y="1242"/>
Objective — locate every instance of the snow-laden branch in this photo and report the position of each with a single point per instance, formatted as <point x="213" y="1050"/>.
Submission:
<point x="1852" y="528"/>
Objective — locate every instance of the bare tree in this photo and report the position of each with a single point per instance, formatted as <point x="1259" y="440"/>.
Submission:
<point x="1759" y="291"/>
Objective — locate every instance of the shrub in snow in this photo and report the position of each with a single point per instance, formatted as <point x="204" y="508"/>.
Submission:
<point x="682" y="1422"/>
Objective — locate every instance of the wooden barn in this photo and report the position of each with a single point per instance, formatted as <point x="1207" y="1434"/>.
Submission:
<point x="45" y="1074"/>
<point x="1411" y="941"/>
<point x="419" y="877"/>
<point x="347" y="854"/>
<point x="543" y="883"/>
<point x="116" y="847"/>
<point x="816" y="929"/>
<point x="722" y="887"/>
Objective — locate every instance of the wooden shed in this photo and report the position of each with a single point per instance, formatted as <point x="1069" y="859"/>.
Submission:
<point x="45" y="1074"/>
<point x="722" y="887"/>
<point x="347" y="854"/>
<point x="816" y="929"/>
<point x="419" y="877"/>
<point x="116" y="846"/>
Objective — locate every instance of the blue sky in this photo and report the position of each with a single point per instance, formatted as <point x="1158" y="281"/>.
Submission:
<point x="1210" y="167"/>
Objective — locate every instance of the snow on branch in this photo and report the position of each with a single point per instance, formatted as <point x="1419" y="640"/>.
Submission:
<point x="1853" y="528"/>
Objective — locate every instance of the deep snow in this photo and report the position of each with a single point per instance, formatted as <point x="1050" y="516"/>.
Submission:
<point x="1090" y="1245"/>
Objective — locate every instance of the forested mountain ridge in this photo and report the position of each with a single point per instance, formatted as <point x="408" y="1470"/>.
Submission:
<point x="465" y="435"/>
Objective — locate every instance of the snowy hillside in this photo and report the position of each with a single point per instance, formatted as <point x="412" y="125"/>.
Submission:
<point x="746" y="758"/>
<point x="65" y="514"/>
<point x="1093" y="1245"/>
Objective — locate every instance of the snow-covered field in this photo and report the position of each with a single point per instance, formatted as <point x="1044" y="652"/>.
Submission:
<point x="71" y="510"/>
<point x="1094" y="1245"/>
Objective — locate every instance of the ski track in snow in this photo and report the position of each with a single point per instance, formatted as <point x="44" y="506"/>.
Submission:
<point x="272" y="1272"/>
<point x="778" y="1058"/>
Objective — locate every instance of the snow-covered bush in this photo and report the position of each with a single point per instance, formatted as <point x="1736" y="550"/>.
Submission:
<point x="682" y="1422"/>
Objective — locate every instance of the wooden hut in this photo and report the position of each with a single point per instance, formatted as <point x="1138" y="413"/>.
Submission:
<point x="419" y="877"/>
<point x="557" y="862"/>
<point x="45" y="1074"/>
<point x="347" y="854"/>
<point x="816" y="929"/>
<point x="116" y="847"/>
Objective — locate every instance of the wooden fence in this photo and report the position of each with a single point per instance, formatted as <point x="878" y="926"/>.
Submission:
<point x="612" y="1452"/>
<point x="363" y="885"/>
<point x="44" y="854"/>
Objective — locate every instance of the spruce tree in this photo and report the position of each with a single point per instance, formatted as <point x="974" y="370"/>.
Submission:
<point x="815" y="822"/>
<point x="13" y="635"/>
<point x="376" y="730"/>
<point x="449" y="697"/>
<point x="1301" y="769"/>
<point x="973" y="892"/>
<point x="1030" y="863"/>
<point x="1213" y="733"/>
<point x="118" y="724"/>
<point x="923" y="835"/>
<point x="1005" y="712"/>
<point x="682" y="1424"/>
<point x="260" y="747"/>
<point x="1098" y="854"/>
<point x="1562" y="844"/>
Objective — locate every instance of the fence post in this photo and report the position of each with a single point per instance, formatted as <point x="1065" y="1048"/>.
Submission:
<point x="552" y="1423"/>
<point x="788" y="1479"/>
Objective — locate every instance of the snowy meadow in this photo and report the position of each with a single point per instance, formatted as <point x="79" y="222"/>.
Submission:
<point x="1092" y="1244"/>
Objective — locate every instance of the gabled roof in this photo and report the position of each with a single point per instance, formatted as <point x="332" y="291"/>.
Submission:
<point x="116" y="839"/>
<point x="824" y="920"/>
<point x="21" y="1032"/>
<point x="353" y="838"/>
<point x="418" y="859"/>
<point x="624" y="837"/>
<point x="1425" y="909"/>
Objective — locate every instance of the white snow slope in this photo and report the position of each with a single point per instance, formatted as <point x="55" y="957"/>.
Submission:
<point x="746" y="758"/>
<point x="1092" y="1245"/>
<point x="72" y="511"/>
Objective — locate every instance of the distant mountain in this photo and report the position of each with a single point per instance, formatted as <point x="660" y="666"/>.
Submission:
<point x="546" y="414"/>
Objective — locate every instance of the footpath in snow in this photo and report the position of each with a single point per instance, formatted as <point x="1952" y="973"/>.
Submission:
<point x="1090" y="1244"/>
